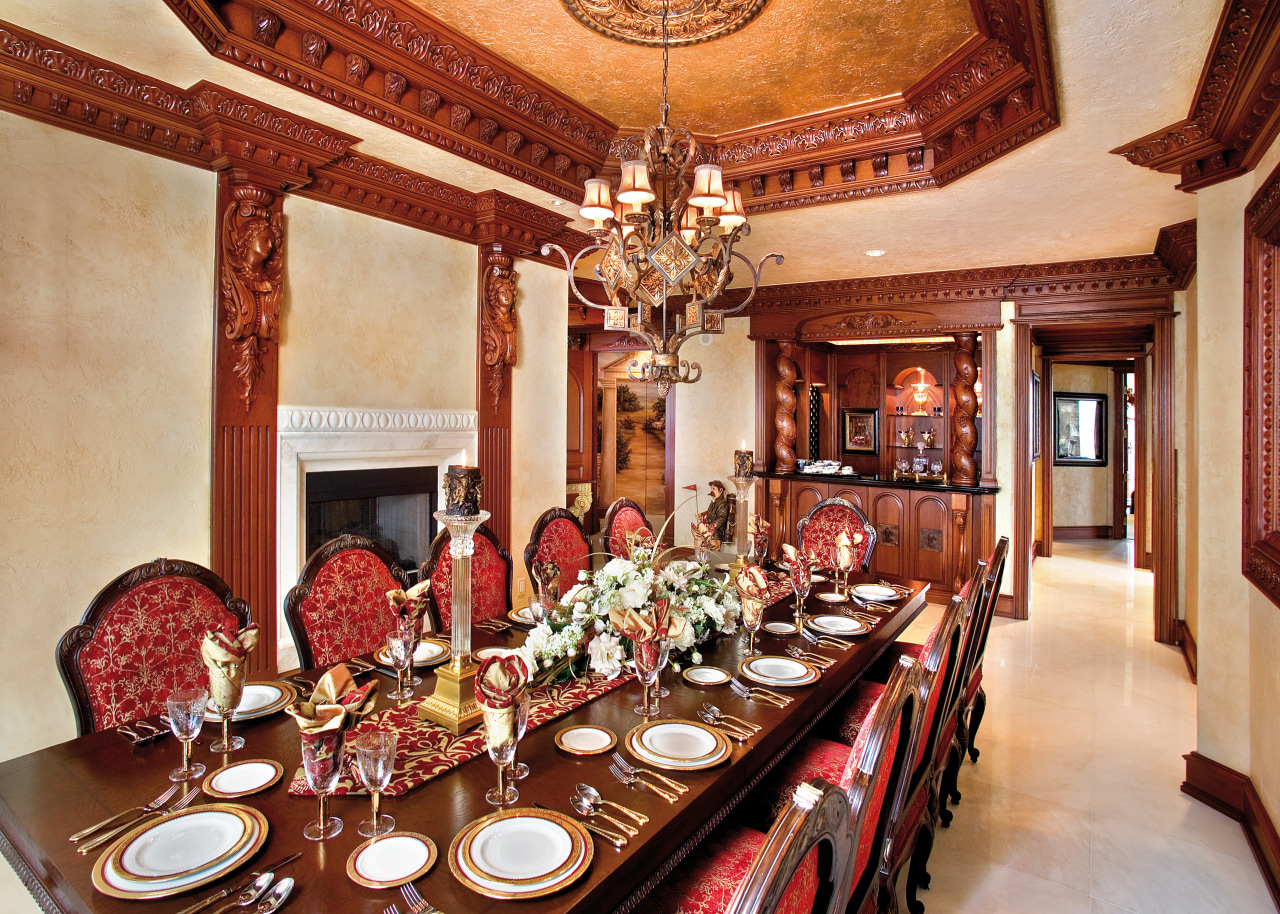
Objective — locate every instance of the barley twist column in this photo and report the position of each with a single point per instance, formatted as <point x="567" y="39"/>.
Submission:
<point x="964" y="432"/>
<point x="784" y="417"/>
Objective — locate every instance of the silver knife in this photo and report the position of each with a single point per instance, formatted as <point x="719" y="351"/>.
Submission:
<point x="617" y="840"/>
<point x="218" y="896"/>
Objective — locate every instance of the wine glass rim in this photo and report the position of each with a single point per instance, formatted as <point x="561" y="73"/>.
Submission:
<point x="183" y="696"/>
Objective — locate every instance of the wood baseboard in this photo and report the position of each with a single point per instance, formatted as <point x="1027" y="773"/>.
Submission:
<point x="1148" y="563"/>
<point x="1233" y="794"/>
<point x="1188" y="648"/>
<point x="1098" y="532"/>
<point x="1037" y="550"/>
<point x="1004" y="606"/>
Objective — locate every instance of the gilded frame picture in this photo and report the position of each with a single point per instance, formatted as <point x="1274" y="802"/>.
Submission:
<point x="860" y="431"/>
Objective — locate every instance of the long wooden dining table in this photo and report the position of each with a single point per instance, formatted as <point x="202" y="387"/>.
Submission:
<point x="47" y="795"/>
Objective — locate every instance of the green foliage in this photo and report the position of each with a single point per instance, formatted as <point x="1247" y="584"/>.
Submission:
<point x="628" y="402"/>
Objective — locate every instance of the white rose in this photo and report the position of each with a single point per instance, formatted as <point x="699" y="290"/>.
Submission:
<point x="606" y="655"/>
<point x="695" y="657"/>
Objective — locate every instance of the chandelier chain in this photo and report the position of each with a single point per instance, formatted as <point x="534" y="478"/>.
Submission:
<point x="666" y="61"/>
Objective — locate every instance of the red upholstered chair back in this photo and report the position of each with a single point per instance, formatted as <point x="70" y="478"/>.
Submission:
<point x="622" y="521"/>
<point x="987" y="605"/>
<point x="818" y="531"/>
<point x="339" y="607"/>
<point x="490" y="578"/>
<point x="875" y="770"/>
<point x="557" y="537"/>
<point x="814" y="824"/>
<point x="139" y="640"/>
<point x="941" y="658"/>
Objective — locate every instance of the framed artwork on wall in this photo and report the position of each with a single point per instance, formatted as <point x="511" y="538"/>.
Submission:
<point x="1079" y="429"/>
<point x="1035" y="416"/>
<point x="861" y="431"/>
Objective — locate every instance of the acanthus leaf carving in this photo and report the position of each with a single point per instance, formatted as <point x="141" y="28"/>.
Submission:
<point x="816" y="176"/>
<point x="538" y="154"/>
<point x="429" y="102"/>
<point x="786" y="181"/>
<point x="314" y="49"/>
<point x="251" y="279"/>
<point x="394" y="86"/>
<point x="488" y="129"/>
<point x="357" y="69"/>
<point x="560" y="164"/>
<point x="459" y="117"/>
<point x="266" y="26"/>
<point x="498" y="327"/>
<point x="514" y="141"/>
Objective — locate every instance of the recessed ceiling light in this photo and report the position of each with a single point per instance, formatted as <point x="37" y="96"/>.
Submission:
<point x="555" y="202"/>
<point x="874" y="252"/>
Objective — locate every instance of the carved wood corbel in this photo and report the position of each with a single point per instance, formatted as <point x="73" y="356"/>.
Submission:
<point x="250" y="287"/>
<point x="498" y="322"/>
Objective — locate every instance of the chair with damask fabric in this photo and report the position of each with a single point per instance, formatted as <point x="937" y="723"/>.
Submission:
<point x="818" y="531"/>
<point x="558" y="537"/>
<point x="491" y="568"/>
<point x="871" y="773"/>
<point x="973" y="698"/>
<point x="339" y="608"/>
<point x="802" y="865"/>
<point x="140" y="639"/>
<point x="624" y="519"/>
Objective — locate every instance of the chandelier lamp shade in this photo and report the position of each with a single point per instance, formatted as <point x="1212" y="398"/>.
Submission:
<point x="666" y="241"/>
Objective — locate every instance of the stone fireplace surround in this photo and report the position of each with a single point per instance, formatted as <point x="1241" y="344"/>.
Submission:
<point x="322" y="439"/>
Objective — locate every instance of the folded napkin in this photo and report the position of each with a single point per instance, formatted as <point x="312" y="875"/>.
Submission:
<point x="500" y="682"/>
<point x="844" y="548"/>
<point x="225" y="655"/>
<point x="336" y="704"/>
<point x="799" y="569"/>
<point x="704" y="534"/>
<point x="758" y="529"/>
<point x="410" y="607"/>
<point x="753" y="584"/>
<point x="547" y="574"/>
<point x="638" y="625"/>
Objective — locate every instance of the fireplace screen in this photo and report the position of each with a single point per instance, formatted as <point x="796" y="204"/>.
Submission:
<point x="391" y="506"/>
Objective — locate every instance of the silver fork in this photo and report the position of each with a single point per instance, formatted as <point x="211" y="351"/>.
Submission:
<point x="153" y="806"/>
<point x="633" y="769"/>
<point x="755" y="694"/>
<point x="417" y="904"/>
<point x="632" y="780"/>
<point x="390" y="909"/>
<point x="816" y="659"/>
<point x="103" y="839"/>
<point x="822" y="641"/>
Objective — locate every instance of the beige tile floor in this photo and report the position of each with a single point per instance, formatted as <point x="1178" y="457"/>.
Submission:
<point x="1074" y="804"/>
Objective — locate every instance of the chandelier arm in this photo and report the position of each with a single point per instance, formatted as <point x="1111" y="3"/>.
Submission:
<point x="571" y="265"/>
<point x="755" y="279"/>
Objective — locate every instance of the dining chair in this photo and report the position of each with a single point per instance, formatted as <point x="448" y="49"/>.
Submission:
<point x="973" y="701"/>
<point x="818" y="531"/>
<point x="339" y="607"/>
<point x="624" y="520"/>
<point x="558" y="537"/>
<point x="802" y="865"/>
<point x="139" y="640"/>
<point x="491" y="571"/>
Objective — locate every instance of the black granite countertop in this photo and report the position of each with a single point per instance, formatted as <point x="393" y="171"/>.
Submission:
<point x="880" y="482"/>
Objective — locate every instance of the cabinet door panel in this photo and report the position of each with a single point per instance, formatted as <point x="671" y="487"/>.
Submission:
<point x="931" y="546"/>
<point x="889" y="515"/>
<point x="803" y="497"/>
<point x="855" y="494"/>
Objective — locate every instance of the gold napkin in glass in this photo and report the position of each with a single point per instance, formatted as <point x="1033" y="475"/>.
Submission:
<point x="224" y="655"/>
<point x="758" y="529"/>
<point x="500" y="682"/>
<point x="799" y="567"/>
<point x="844" y="550"/>
<point x="636" y="625"/>
<point x="704" y="534"/>
<point x="547" y="574"/>
<point x="336" y="704"/>
<point x="410" y="608"/>
<point x="752" y="583"/>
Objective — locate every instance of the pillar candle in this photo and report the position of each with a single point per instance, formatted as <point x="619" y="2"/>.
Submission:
<point x="743" y="464"/>
<point x="462" y="487"/>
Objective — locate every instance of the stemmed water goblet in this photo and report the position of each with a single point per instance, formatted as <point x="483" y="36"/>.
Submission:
<point x="752" y="613"/>
<point x="400" y="653"/>
<point x="801" y="583"/>
<point x="186" y="716"/>
<point x="226" y="699"/>
<point x="664" y="657"/>
<point x="375" y="760"/>
<point x="646" y="657"/>
<point x="415" y="631"/>
<point x="501" y="741"/>
<point x="844" y="564"/>
<point x="322" y="764"/>
<point x="519" y="770"/>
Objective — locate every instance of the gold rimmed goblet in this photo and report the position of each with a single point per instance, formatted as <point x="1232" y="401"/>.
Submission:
<point x="186" y="716"/>
<point x="375" y="760"/>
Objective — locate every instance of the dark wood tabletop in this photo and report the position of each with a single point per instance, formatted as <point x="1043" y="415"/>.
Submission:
<point x="47" y="795"/>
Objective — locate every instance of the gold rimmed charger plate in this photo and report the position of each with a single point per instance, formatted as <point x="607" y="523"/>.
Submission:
<point x="651" y="756"/>
<point x="177" y="884"/>
<point x="876" y="592"/>
<point x="565" y="739"/>
<point x="212" y="790"/>
<point x="522" y="616"/>
<point x="243" y="813"/>
<point x="579" y="858"/>
<point x="833" y="626"/>
<point x="361" y="871"/>
<point x="443" y="650"/>
<point x="811" y="674"/>
<point x="705" y="676"/>
<point x="288" y="695"/>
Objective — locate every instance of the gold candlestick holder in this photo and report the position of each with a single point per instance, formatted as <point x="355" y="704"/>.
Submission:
<point x="453" y="704"/>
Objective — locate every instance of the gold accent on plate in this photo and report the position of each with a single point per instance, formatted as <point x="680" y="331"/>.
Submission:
<point x="613" y="740"/>
<point x="117" y="858"/>
<point x="526" y="619"/>
<point x="700" y="682"/>
<point x="640" y="21"/>
<point x="289" y="694"/>
<point x="718" y="757"/>
<point x="209" y="789"/>
<point x="432" y="856"/>
<point x="815" y="674"/>
<point x="580" y="837"/>
<point x="383" y="656"/>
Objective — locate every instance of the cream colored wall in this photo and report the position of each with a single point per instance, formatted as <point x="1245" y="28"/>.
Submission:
<point x="1006" y="434"/>
<point x="539" y="411"/>
<point x="376" y="315"/>
<point x="1037" y="466"/>
<point x="105" y="350"/>
<point x="1082" y="495"/>
<point x="713" y="418"/>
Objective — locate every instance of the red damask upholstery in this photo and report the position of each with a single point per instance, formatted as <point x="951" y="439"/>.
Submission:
<point x="705" y="883"/>
<point x="622" y="521"/>
<point x="557" y="537"/>
<point x="818" y="531"/>
<point x="339" y="607"/>
<point x="140" y="639"/>
<point x="491" y="568"/>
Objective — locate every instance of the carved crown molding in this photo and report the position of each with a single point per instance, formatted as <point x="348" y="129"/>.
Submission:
<point x="1176" y="249"/>
<point x="1234" y="117"/>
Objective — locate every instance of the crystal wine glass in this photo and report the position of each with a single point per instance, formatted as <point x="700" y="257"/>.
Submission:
<point x="186" y="716"/>
<point x="415" y="630"/>
<point x="503" y="752"/>
<point x="231" y="694"/>
<point x="400" y="653"/>
<point x="322" y="764"/>
<point x="375" y="760"/>
<point x="752" y="613"/>
<point x="664" y="657"/>
<point x="646" y="658"/>
<point x="801" y="583"/>
<point x="844" y="564"/>
<point x="519" y="770"/>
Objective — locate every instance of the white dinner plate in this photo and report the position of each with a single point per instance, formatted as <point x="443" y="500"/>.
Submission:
<point x="428" y="651"/>
<point x="184" y="843"/>
<point x="818" y="578"/>
<point x="522" y="616"/>
<point x="780" y="628"/>
<point x="779" y="671"/>
<point x="828" y="597"/>
<point x="840" y="626"/>
<point x="390" y="860"/>
<point x="243" y="778"/>
<point x="486" y="652"/>
<point x="706" y="675"/>
<point x="877" y="592"/>
<point x="585" y="740"/>
<point x="676" y="747"/>
<point x="257" y="700"/>
<point x="520" y="853"/>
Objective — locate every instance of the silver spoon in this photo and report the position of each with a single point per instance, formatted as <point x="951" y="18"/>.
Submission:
<point x="584" y="807"/>
<point x="716" y="712"/>
<point x="725" y="727"/>
<point x="250" y="894"/>
<point x="592" y="796"/>
<point x="276" y="897"/>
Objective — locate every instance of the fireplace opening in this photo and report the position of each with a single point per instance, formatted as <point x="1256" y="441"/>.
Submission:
<point x="392" y="506"/>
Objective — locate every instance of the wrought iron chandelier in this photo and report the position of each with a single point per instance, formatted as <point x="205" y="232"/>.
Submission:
<point x="667" y="243"/>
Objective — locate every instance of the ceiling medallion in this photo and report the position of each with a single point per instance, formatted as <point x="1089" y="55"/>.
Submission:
<point x="640" y="21"/>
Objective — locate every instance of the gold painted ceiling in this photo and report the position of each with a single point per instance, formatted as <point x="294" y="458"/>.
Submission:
<point x="797" y="57"/>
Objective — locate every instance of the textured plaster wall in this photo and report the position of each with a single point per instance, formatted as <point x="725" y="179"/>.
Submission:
<point x="539" y="410"/>
<point x="377" y="315"/>
<point x="1006" y="434"/>
<point x="1082" y="495"/>
<point x="713" y="418"/>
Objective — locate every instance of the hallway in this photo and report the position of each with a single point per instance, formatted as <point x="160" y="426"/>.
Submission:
<point x="1074" y="804"/>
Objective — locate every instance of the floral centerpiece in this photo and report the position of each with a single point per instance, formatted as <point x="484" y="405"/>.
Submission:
<point x="578" y="635"/>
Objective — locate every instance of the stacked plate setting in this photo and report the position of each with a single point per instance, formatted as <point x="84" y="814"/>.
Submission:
<point x="429" y="651"/>
<point x="837" y="626"/>
<point x="179" y="852"/>
<point x="259" y="699"/>
<point x="520" y="853"/>
<point x="786" y="672"/>
<point x="678" y="745"/>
